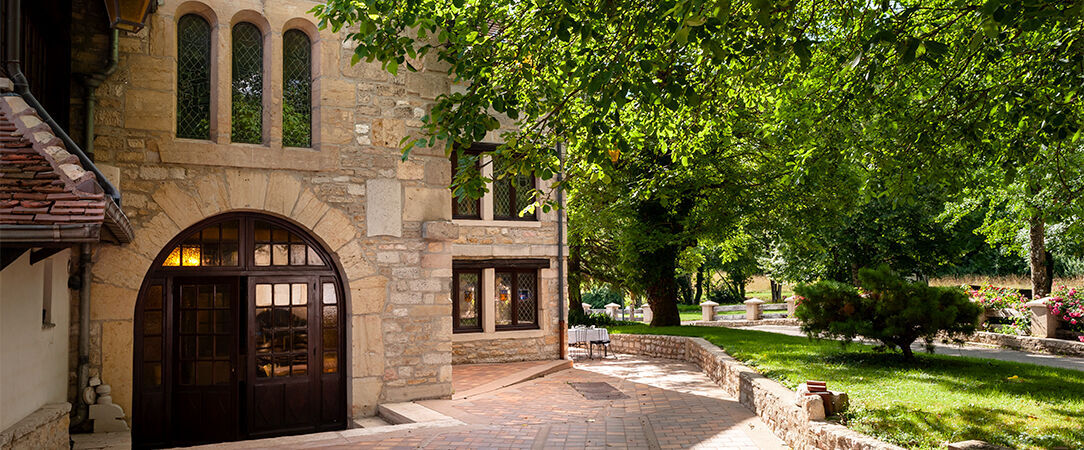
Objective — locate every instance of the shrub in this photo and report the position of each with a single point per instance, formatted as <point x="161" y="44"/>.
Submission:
<point x="599" y="296"/>
<point x="991" y="297"/>
<point x="596" y="319"/>
<point x="891" y="310"/>
<point x="725" y="296"/>
<point x="1068" y="303"/>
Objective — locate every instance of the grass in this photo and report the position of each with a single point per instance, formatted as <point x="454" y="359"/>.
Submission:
<point x="923" y="404"/>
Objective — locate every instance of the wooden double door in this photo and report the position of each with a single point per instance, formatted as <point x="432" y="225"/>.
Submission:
<point x="264" y="366"/>
<point x="224" y="354"/>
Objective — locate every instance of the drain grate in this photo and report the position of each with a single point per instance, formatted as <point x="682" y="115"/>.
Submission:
<point x="597" y="390"/>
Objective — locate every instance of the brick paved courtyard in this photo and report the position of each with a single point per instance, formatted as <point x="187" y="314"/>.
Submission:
<point x="668" y="404"/>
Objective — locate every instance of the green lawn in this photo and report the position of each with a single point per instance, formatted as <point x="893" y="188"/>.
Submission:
<point x="934" y="400"/>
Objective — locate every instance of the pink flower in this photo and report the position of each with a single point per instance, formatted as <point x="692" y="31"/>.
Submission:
<point x="1081" y="338"/>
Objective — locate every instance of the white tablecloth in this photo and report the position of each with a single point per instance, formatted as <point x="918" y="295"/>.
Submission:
<point x="580" y="335"/>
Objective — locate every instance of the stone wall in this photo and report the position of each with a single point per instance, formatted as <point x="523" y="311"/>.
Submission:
<point x="773" y="402"/>
<point x="351" y="190"/>
<point x="44" y="429"/>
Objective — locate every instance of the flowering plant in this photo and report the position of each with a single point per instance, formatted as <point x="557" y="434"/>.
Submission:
<point x="1068" y="304"/>
<point x="1003" y="298"/>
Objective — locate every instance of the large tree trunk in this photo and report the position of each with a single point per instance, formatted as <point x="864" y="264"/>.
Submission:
<point x="700" y="286"/>
<point x="662" y="287"/>
<point x="575" y="277"/>
<point x="777" y="291"/>
<point x="1040" y="273"/>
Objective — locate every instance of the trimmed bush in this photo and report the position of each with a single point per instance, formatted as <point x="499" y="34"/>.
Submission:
<point x="599" y="296"/>
<point x="888" y="308"/>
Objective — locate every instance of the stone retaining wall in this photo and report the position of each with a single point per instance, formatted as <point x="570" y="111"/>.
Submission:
<point x="46" y="428"/>
<point x="773" y="402"/>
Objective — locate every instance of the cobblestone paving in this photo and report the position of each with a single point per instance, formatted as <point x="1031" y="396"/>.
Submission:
<point x="670" y="405"/>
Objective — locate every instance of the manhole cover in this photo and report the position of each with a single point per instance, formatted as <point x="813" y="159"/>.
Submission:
<point x="598" y="391"/>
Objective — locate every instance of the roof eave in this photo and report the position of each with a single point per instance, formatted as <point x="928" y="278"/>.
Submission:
<point x="42" y="235"/>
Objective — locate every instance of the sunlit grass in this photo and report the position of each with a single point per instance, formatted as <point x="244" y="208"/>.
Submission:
<point x="922" y="404"/>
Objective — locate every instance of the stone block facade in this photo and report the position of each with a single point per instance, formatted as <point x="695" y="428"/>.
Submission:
<point x="773" y="402"/>
<point x="385" y="221"/>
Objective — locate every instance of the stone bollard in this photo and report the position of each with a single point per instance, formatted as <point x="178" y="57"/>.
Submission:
<point x="647" y="313"/>
<point x="586" y="308"/>
<point x="1043" y="323"/>
<point x="792" y="305"/>
<point x="611" y="310"/>
<point x="707" y="310"/>
<point x="752" y="308"/>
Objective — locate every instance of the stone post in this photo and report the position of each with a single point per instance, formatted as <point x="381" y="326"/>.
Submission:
<point x="707" y="310"/>
<point x="792" y="305"/>
<point x="1043" y="323"/>
<point x="752" y="308"/>
<point x="647" y="313"/>
<point x="611" y="310"/>
<point x="586" y="308"/>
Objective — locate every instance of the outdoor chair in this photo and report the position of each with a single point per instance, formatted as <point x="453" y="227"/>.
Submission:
<point x="603" y="343"/>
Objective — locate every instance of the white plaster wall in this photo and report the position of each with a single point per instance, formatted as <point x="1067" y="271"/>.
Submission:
<point x="33" y="358"/>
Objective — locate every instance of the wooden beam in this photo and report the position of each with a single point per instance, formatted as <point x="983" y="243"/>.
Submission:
<point x="8" y="255"/>
<point x="44" y="253"/>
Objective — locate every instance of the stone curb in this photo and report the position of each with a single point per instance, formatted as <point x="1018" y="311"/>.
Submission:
<point x="773" y="402"/>
<point x="45" y="428"/>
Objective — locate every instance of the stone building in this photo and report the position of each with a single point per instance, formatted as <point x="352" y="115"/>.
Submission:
<point x="289" y="271"/>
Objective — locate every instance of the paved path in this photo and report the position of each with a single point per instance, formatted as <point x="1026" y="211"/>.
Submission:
<point x="662" y="404"/>
<point x="972" y="350"/>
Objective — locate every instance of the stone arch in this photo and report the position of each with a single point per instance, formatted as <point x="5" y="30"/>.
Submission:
<point x="176" y="205"/>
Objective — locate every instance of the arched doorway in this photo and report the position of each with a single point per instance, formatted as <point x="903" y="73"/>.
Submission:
<point x="239" y="334"/>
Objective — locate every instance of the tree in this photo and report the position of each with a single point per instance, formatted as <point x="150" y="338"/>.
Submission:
<point x="891" y="310"/>
<point x="915" y="93"/>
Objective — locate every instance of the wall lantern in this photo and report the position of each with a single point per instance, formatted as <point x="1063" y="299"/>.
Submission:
<point x="128" y="15"/>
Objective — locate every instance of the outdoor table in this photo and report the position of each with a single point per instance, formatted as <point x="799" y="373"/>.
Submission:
<point x="585" y="336"/>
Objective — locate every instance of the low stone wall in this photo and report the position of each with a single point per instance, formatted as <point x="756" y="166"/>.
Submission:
<point x="773" y="402"/>
<point x="1029" y="344"/>
<point x="500" y="350"/>
<point x="742" y="323"/>
<point x="46" y="428"/>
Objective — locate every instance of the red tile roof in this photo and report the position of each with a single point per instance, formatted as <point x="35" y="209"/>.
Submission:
<point x="41" y="183"/>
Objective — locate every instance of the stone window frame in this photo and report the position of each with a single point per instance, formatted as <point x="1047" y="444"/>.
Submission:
<point x="479" y="302"/>
<point x="218" y="150"/>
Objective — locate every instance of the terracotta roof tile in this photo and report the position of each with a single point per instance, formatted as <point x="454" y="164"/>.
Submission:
<point x="40" y="181"/>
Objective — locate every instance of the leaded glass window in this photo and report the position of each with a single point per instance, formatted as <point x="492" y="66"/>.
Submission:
<point x="467" y="306"/>
<point x="193" y="77"/>
<point x="296" y="89"/>
<point x="465" y="207"/>
<point x="517" y="298"/>
<point x="511" y="194"/>
<point x="247" y="84"/>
